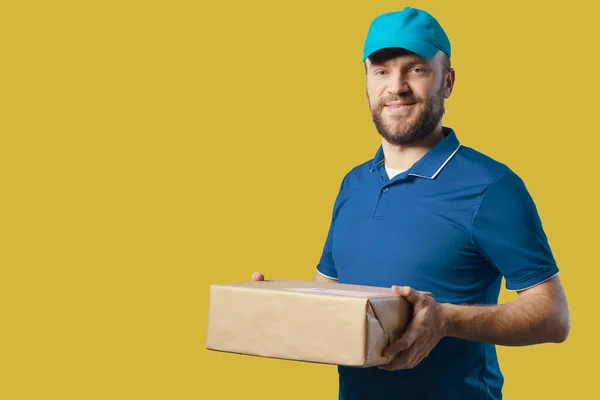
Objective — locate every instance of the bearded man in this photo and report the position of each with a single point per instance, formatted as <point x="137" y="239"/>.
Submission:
<point x="441" y="224"/>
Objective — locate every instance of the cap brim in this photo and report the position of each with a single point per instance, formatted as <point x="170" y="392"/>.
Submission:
<point x="418" y="47"/>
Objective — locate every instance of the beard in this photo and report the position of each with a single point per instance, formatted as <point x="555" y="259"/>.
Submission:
<point x="398" y="130"/>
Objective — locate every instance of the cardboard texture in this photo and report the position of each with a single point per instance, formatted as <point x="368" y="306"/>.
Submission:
<point x="310" y="321"/>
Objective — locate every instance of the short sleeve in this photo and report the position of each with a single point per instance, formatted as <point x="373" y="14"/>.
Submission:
<point x="326" y="265"/>
<point x="508" y="232"/>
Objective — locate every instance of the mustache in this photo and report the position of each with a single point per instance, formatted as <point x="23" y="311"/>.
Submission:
<point x="406" y="98"/>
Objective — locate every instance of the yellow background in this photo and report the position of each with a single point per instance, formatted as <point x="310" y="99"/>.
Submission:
<point x="149" y="149"/>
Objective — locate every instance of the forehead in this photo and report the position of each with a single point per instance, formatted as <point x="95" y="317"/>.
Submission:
<point x="395" y="55"/>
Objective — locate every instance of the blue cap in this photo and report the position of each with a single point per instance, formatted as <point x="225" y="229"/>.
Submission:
<point x="410" y="29"/>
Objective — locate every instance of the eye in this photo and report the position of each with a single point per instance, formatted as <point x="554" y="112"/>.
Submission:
<point x="418" y="70"/>
<point x="379" y="72"/>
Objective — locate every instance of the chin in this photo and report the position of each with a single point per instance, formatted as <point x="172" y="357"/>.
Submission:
<point x="399" y="132"/>
<point x="398" y="121"/>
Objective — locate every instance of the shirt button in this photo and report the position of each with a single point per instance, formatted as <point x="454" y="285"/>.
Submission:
<point x="385" y="190"/>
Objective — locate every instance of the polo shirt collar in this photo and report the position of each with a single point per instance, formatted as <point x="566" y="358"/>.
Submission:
<point x="430" y="165"/>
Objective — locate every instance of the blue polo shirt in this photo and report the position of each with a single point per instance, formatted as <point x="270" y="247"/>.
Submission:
<point x="454" y="224"/>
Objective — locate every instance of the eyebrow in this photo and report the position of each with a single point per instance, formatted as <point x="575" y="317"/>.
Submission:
<point x="417" y="62"/>
<point x="410" y="63"/>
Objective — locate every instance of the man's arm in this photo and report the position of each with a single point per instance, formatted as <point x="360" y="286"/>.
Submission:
<point x="507" y="231"/>
<point x="539" y="315"/>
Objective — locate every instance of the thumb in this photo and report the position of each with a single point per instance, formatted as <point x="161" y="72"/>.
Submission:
<point x="407" y="292"/>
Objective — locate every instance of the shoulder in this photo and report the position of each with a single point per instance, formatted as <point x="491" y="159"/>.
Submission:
<point x="479" y="167"/>
<point x="498" y="185"/>
<point x="354" y="180"/>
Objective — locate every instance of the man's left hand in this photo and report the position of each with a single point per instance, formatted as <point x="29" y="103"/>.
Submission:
<point x="422" y="334"/>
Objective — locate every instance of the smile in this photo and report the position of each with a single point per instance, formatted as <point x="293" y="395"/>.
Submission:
<point x="397" y="107"/>
<point x="398" y="104"/>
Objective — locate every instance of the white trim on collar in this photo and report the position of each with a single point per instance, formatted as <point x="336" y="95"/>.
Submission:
<point x="440" y="168"/>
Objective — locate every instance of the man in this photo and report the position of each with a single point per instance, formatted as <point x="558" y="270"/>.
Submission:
<point x="443" y="222"/>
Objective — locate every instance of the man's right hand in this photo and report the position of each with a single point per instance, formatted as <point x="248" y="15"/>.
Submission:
<point x="257" y="276"/>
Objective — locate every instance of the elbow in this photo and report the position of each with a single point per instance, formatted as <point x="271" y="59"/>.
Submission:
<point x="559" y="334"/>
<point x="561" y="328"/>
<point x="562" y="332"/>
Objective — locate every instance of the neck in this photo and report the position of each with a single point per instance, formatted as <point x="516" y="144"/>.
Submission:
<point x="404" y="156"/>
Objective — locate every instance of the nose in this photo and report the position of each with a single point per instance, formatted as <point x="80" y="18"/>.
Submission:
<point x="398" y="84"/>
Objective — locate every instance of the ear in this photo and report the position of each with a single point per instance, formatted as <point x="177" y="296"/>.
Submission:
<point x="449" y="83"/>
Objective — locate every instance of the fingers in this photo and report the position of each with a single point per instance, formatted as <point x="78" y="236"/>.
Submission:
<point x="404" y="361"/>
<point x="411" y="359"/>
<point x="412" y="356"/>
<point x="407" y="360"/>
<point x="401" y="344"/>
<point x="257" y="276"/>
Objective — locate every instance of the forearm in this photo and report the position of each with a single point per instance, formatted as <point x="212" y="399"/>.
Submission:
<point x="525" y="321"/>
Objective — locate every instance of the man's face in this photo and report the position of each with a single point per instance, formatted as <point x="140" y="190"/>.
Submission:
<point x="406" y="95"/>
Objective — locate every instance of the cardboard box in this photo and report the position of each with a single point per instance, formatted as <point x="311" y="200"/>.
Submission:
<point x="308" y="321"/>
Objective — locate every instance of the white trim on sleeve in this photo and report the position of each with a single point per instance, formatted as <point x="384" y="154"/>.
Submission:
<point x="547" y="279"/>
<point x="326" y="275"/>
